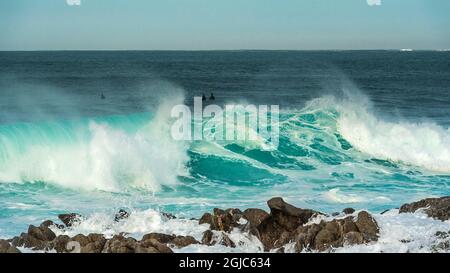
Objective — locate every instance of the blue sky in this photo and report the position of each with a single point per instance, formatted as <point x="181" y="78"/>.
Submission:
<point x="224" y="24"/>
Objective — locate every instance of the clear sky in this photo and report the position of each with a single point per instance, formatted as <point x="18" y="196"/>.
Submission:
<point x="224" y="24"/>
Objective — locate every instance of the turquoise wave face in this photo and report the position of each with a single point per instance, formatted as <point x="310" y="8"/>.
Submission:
<point x="131" y="161"/>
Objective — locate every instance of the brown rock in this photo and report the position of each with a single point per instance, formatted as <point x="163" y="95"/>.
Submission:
<point x="348" y="210"/>
<point x="5" y="247"/>
<point x="120" y="244"/>
<point x="207" y="238"/>
<point x="226" y="241"/>
<point x="160" y="237"/>
<point x="183" y="241"/>
<point x="255" y="216"/>
<point x="438" y="208"/>
<point x="70" y="219"/>
<point x="353" y="238"/>
<point x="367" y="226"/>
<point x="288" y="216"/>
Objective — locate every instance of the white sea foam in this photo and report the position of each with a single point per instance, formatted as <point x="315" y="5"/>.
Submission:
<point x="423" y="144"/>
<point x="111" y="159"/>
<point x="406" y="232"/>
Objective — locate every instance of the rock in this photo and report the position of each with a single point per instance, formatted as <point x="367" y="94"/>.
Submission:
<point x="283" y="218"/>
<point x="160" y="237"/>
<point x="353" y="238"/>
<point x="168" y="216"/>
<point x="70" y="219"/>
<point x="120" y="244"/>
<point x="183" y="241"/>
<point x="152" y="246"/>
<point x="206" y="219"/>
<point x="120" y="215"/>
<point x="334" y="214"/>
<point x="367" y="226"/>
<point x="255" y="216"/>
<point x="207" y="238"/>
<point x="226" y="241"/>
<point x="287" y="215"/>
<point x="60" y="244"/>
<point x="438" y="208"/>
<point x="37" y="238"/>
<point x="5" y="247"/>
<point x="348" y="225"/>
<point x="348" y="210"/>
<point x="223" y="220"/>
<point x="336" y="233"/>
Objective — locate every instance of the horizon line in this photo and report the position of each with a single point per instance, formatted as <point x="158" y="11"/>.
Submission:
<point x="195" y="50"/>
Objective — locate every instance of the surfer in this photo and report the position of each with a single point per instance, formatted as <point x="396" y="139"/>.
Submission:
<point x="102" y="96"/>
<point x="203" y="97"/>
<point x="212" y="97"/>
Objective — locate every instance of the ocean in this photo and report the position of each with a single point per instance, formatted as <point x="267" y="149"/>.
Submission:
<point x="362" y="129"/>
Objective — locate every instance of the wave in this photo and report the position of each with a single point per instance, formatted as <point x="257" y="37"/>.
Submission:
<point x="329" y="137"/>
<point x="107" y="154"/>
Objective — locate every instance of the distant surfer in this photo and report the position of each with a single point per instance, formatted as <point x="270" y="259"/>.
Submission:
<point x="203" y="97"/>
<point x="212" y="97"/>
<point x="102" y="96"/>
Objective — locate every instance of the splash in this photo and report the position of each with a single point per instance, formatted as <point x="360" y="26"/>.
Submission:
<point x="110" y="154"/>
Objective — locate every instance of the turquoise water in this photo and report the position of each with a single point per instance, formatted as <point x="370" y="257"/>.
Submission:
<point x="88" y="165"/>
<point x="366" y="129"/>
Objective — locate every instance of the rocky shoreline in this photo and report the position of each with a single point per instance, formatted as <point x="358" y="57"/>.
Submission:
<point x="304" y="229"/>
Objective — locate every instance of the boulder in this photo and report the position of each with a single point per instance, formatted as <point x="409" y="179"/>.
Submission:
<point x="183" y="241"/>
<point x="367" y="226"/>
<point x="207" y="238"/>
<point x="160" y="237"/>
<point x="438" y="208"/>
<point x="120" y="244"/>
<point x="70" y="218"/>
<point x="36" y="238"/>
<point x="120" y="215"/>
<point x="6" y="247"/>
<point x="223" y="220"/>
<point x="226" y="241"/>
<point x="348" y="210"/>
<point x="152" y="246"/>
<point x="283" y="219"/>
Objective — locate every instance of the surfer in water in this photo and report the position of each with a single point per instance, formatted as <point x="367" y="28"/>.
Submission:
<point x="102" y="96"/>
<point x="212" y="97"/>
<point x="203" y="97"/>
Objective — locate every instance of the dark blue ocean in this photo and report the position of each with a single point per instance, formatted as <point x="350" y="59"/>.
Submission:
<point x="366" y="129"/>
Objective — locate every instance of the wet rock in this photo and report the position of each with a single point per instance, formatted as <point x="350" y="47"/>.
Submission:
<point x="367" y="226"/>
<point x="438" y="208"/>
<point x="152" y="246"/>
<point x="255" y="216"/>
<point x="206" y="219"/>
<point x="353" y="238"/>
<point x="168" y="216"/>
<point x="70" y="219"/>
<point x="223" y="220"/>
<point x="207" y="238"/>
<point x="336" y="233"/>
<point x="284" y="218"/>
<point x="288" y="216"/>
<point x="36" y="238"/>
<point x="60" y="244"/>
<point x="6" y="247"/>
<point x="120" y="244"/>
<point x="226" y="241"/>
<point x="348" y="210"/>
<point x="120" y="215"/>
<point x="160" y="237"/>
<point x="183" y="241"/>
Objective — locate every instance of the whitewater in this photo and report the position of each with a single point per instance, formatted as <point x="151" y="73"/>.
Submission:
<point x="68" y="151"/>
